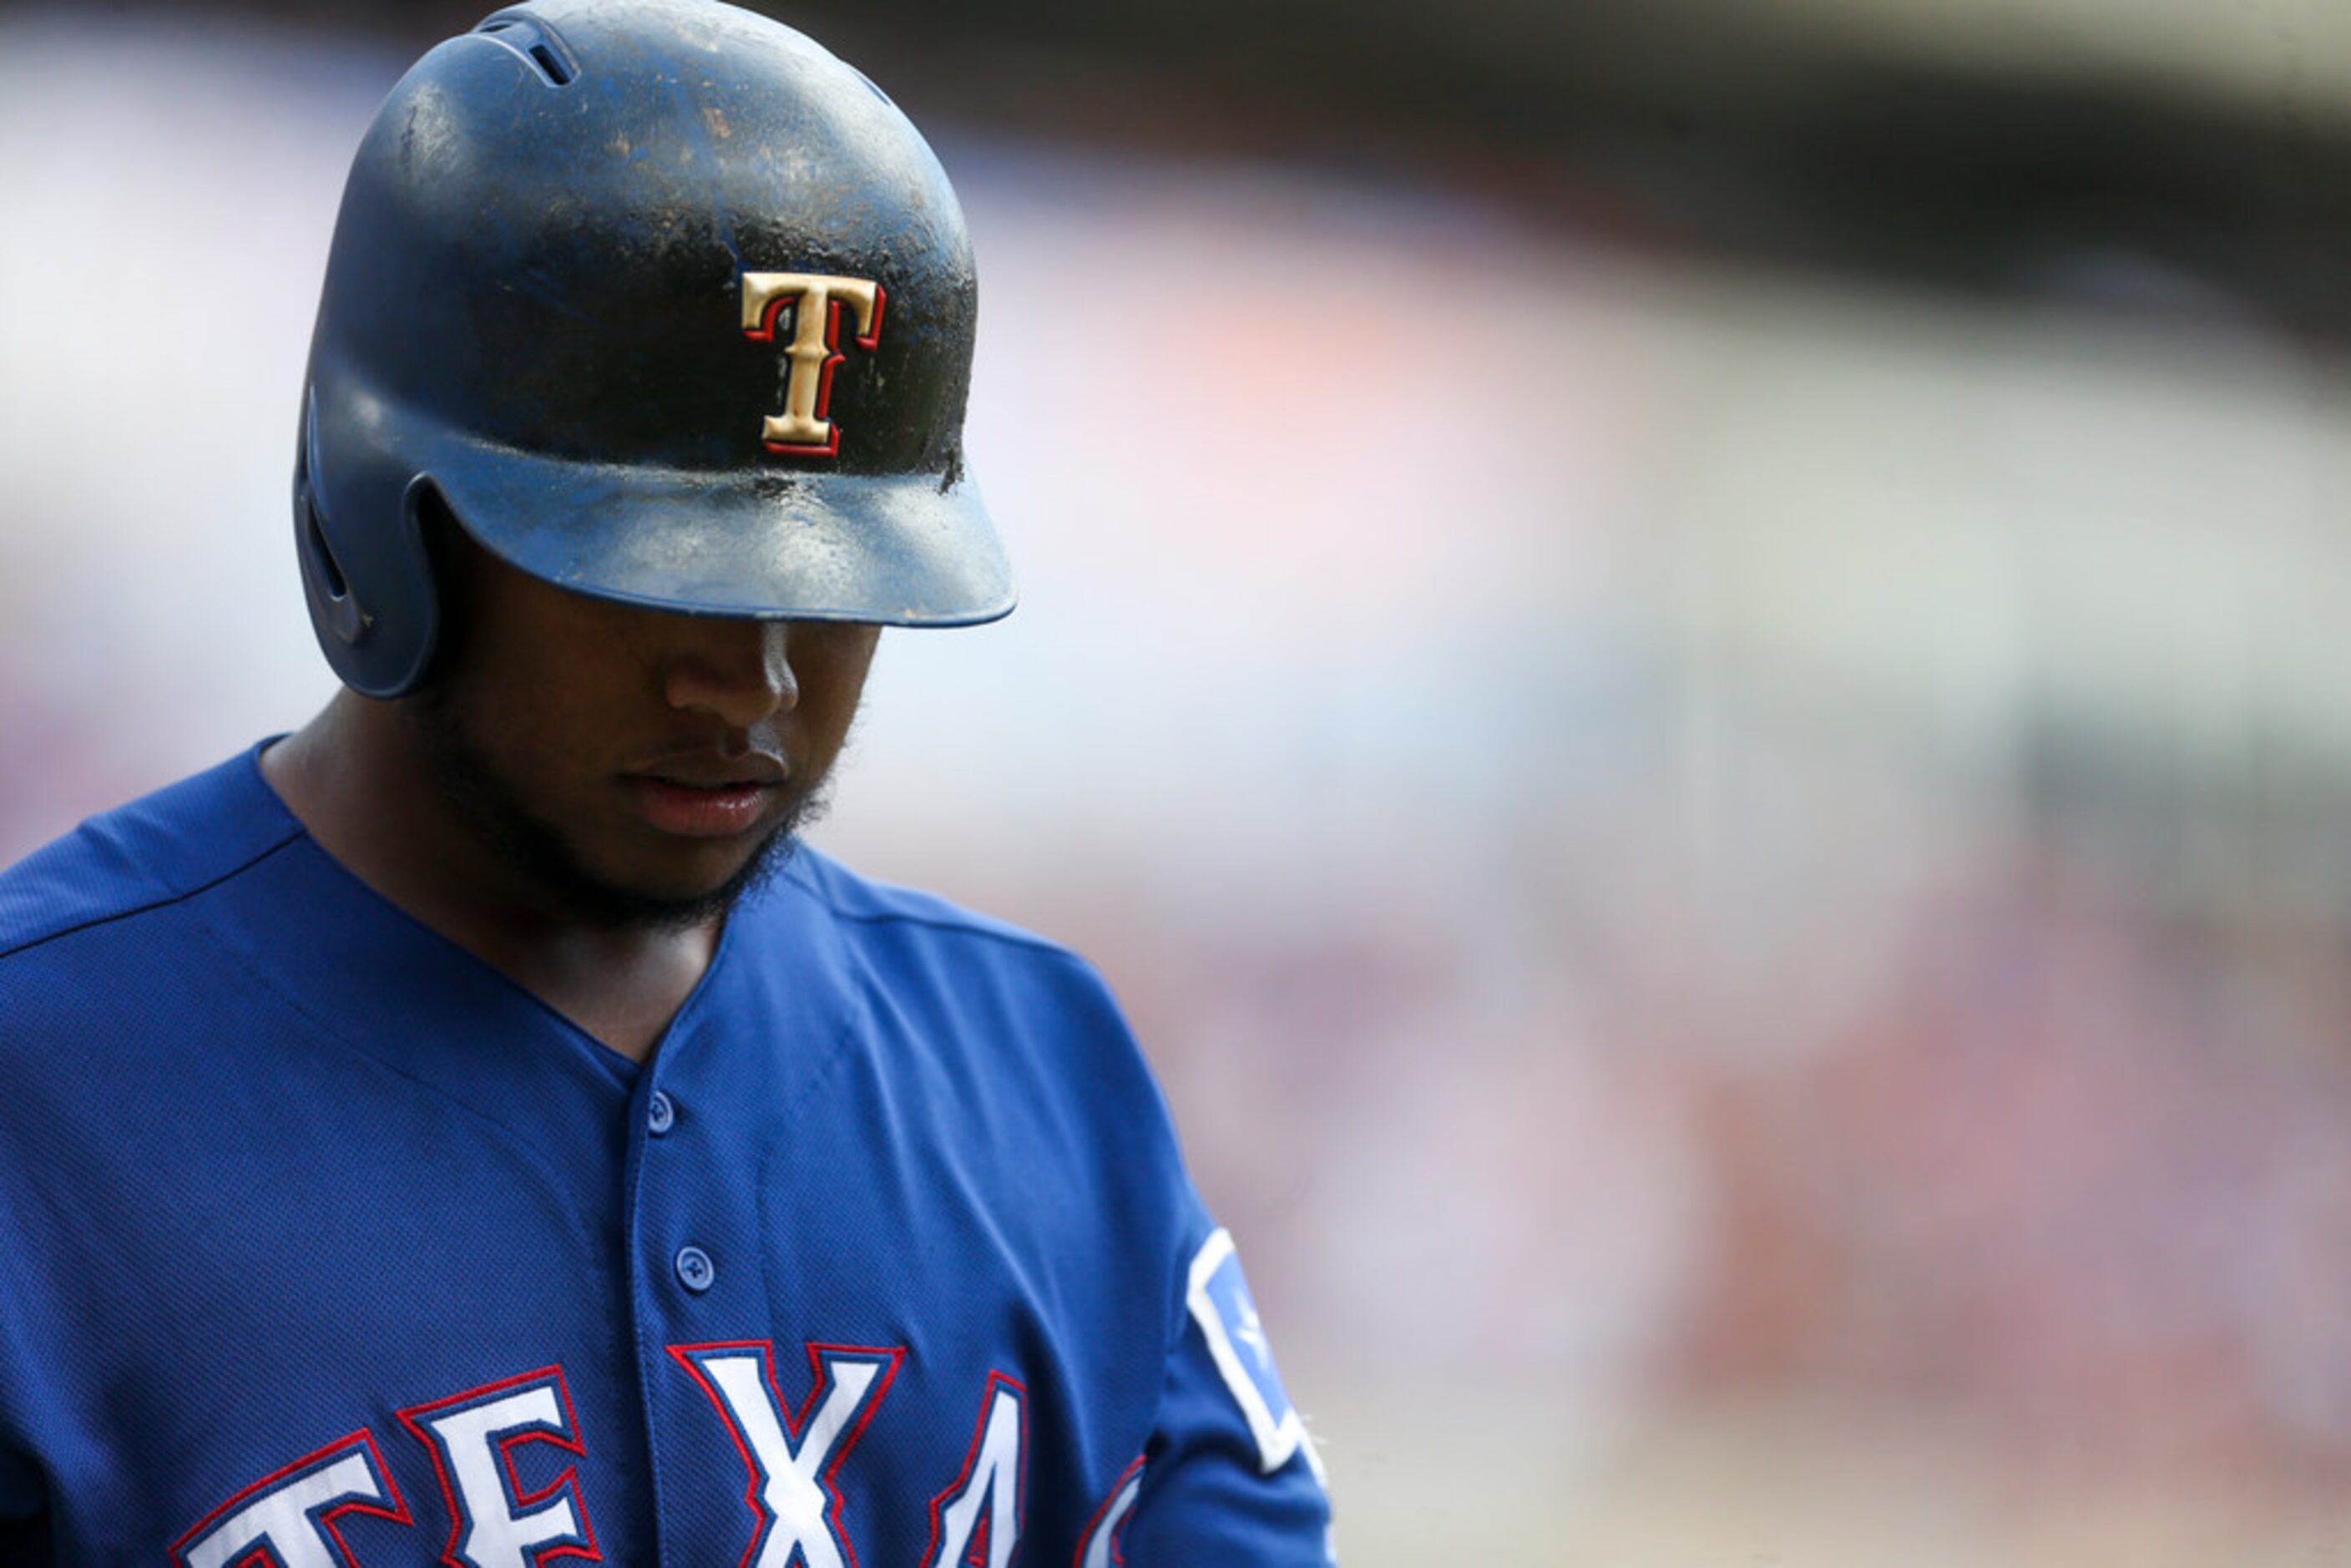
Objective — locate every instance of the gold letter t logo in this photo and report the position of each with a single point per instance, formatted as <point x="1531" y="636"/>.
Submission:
<point x="802" y="428"/>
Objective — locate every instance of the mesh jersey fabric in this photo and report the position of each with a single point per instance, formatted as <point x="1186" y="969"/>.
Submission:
<point x="297" y="1193"/>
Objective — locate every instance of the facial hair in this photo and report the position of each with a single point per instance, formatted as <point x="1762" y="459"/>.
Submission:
<point x="537" y="851"/>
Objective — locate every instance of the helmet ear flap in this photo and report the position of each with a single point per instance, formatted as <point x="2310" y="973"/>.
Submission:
<point x="373" y="601"/>
<point x="334" y="609"/>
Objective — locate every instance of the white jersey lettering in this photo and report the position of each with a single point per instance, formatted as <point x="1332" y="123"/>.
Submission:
<point x="494" y="1525"/>
<point x="792" y="1460"/>
<point x="982" y="1509"/>
<point x="287" y="1519"/>
<point x="1100" y="1546"/>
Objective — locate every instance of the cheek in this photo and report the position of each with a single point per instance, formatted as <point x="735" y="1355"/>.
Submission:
<point x="548" y="700"/>
<point x="832" y="676"/>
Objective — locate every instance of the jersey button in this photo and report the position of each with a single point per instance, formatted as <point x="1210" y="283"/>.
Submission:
<point x="660" y="1114"/>
<point x="694" y="1270"/>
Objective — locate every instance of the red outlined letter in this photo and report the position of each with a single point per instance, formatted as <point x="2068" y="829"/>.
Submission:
<point x="805" y="428"/>
<point x="793" y="1458"/>
<point x="287" y="1519"/>
<point x="472" y="1437"/>
<point x="1099" y="1546"/>
<point x="976" y="1520"/>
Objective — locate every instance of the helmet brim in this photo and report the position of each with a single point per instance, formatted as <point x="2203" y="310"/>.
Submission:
<point x="896" y="550"/>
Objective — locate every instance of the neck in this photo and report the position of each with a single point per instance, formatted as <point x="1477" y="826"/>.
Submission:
<point x="356" y="780"/>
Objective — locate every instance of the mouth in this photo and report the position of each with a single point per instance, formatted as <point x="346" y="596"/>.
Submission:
<point x="680" y="803"/>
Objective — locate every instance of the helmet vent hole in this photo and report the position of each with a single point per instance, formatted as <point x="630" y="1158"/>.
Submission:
<point x="557" y="72"/>
<point x="535" y="42"/>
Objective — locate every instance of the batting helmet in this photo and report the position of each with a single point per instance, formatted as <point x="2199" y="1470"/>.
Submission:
<point x="666" y="305"/>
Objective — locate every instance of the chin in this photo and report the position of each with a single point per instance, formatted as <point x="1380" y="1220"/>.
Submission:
<point x="677" y="898"/>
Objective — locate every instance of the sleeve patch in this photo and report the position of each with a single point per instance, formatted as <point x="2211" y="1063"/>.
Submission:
<point x="1221" y="1304"/>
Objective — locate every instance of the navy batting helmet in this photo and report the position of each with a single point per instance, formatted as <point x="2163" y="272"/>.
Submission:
<point x="666" y="305"/>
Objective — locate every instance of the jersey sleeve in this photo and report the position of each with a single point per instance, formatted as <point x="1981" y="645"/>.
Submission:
<point x="1220" y="1471"/>
<point x="1230" y="1475"/>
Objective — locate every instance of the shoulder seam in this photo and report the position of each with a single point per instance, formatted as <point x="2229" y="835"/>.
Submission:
<point x="985" y="930"/>
<point x="960" y="927"/>
<point x="185" y="893"/>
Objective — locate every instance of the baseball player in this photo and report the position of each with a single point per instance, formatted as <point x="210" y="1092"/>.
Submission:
<point x="469" y="1130"/>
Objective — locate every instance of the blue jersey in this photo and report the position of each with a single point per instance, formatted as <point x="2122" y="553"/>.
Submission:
<point x="323" y="1243"/>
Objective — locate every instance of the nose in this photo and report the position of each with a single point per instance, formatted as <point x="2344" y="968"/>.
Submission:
<point x="740" y="670"/>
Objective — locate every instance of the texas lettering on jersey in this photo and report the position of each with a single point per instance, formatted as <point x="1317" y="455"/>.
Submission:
<point x="794" y="1461"/>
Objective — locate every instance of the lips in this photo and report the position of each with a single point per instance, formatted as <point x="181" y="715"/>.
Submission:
<point x="714" y="770"/>
<point x="701" y="810"/>
<point x="702" y="795"/>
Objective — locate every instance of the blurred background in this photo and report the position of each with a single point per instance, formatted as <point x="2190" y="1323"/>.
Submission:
<point x="1706" y="726"/>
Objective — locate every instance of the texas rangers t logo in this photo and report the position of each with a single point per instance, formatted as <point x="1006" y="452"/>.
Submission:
<point x="802" y="430"/>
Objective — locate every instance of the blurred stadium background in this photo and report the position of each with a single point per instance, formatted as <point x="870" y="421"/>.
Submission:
<point x="1688" y="659"/>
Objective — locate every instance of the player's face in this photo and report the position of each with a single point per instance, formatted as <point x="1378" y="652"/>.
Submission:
<point x="637" y="767"/>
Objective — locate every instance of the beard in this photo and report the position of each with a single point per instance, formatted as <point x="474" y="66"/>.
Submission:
<point x="536" y="851"/>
